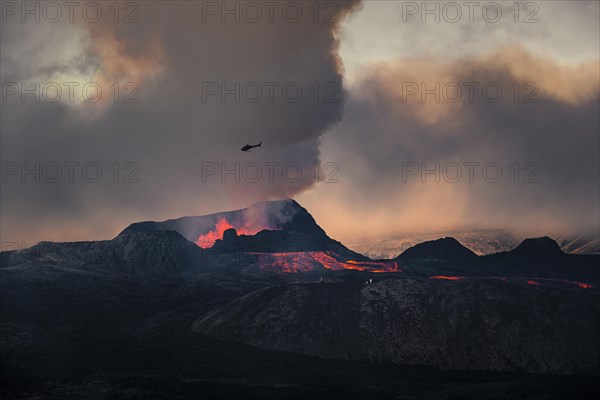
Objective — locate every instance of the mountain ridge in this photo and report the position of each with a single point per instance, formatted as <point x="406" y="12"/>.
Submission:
<point x="152" y="248"/>
<point x="142" y="253"/>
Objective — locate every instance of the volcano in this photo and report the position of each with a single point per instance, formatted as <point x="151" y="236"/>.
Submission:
<point x="286" y="215"/>
<point x="281" y="226"/>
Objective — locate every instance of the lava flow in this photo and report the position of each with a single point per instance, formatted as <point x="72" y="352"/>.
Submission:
<point x="306" y="261"/>
<point x="208" y="240"/>
<point x="448" y="278"/>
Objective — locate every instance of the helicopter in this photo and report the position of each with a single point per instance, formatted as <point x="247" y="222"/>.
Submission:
<point x="248" y="147"/>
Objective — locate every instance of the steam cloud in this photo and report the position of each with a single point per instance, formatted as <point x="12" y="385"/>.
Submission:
<point x="173" y="54"/>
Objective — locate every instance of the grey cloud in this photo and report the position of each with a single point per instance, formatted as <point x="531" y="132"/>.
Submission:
<point x="380" y="134"/>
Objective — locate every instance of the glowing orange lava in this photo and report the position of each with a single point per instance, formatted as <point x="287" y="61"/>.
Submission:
<point x="306" y="261"/>
<point x="581" y="285"/>
<point x="448" y="278"/>
<point x="374" y="266"/>
<point x="208" y="240"/>
<point x="533" y="283"/>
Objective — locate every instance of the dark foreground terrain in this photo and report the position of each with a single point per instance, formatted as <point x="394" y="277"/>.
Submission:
<point x="89" y="337"/>
<point x="184" y="366"/>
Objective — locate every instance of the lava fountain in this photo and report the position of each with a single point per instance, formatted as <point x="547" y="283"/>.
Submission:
<point x="208" y="240"/>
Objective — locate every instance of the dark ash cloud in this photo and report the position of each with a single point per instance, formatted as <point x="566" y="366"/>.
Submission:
<point x="170" y="55"/>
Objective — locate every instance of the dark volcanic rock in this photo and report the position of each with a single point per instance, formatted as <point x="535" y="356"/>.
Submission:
<point x="468" y="324"/>
<point x="543" y="257"/>
<point x="230" y="236"/>
<point x="446" y="249"/>
<point x="142" y="253"/>
<point x="155" y="253"/>
<point x="538" y="248"/>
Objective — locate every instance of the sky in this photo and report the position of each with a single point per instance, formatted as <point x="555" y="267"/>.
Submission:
<point x="377" y="116"/>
